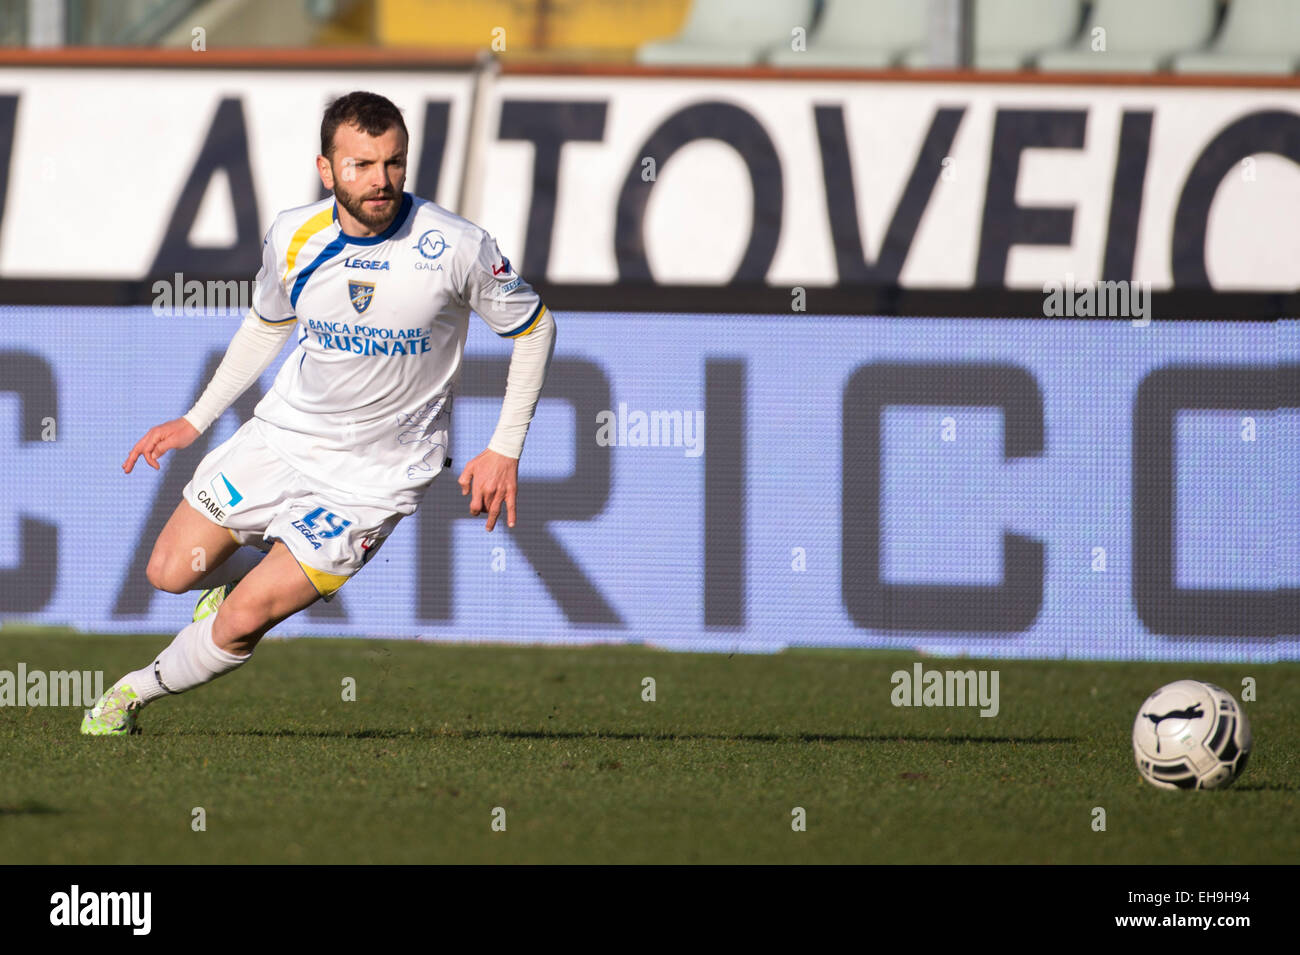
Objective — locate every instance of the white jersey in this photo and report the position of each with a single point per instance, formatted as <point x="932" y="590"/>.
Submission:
<point x="363" y="403"/>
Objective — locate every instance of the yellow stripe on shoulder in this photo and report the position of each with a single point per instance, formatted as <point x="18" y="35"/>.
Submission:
<point x="533" y="327"/>
<point x="274" y="321"/>
<point x="321" y="220"/>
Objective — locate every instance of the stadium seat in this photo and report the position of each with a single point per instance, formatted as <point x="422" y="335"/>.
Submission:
<point x="1258" y="36"/>
<point x="725" y="33"/>
<point x="860" y="34"/>
<point x="1141" y="37"/>
<point x="1009" y="34"/>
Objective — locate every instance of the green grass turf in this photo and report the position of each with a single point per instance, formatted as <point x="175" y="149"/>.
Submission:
<point x="588" y="772"/>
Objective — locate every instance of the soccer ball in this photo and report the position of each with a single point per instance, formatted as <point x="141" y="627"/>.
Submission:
<point x="1191" y="735"/>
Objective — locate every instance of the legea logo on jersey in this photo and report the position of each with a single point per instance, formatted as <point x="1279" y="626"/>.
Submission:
<point x="362" y="294"/>
<point x="374" y="265"/>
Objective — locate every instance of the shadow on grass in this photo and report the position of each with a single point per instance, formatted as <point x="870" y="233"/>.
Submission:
<point x="31" y="809"/>
<point x="646" y="737"/>
<point x="1267" y="787"/>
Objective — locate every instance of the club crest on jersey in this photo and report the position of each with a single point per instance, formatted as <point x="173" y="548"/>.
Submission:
<point x="362" y="294"/>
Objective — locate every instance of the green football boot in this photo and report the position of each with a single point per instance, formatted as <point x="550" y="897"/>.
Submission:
<point x="114" y="714"/>
<point x="210" y="600"/>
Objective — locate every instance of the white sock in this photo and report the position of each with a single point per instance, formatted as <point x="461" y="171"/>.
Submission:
<point x="190" y="660"/>
<point x="231" y="569"/>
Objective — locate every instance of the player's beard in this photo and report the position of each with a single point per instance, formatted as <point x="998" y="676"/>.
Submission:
<point x="356" y="207"/>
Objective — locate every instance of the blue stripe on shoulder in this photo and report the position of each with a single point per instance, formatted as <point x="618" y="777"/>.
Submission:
<point x="327" y="253"/>
<point x="274" y="321"/>
<point x="526" y="325"/>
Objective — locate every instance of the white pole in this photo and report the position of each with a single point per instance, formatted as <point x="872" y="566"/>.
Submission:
<point x="46" y="23"/>
<point x="470" y="197"/>
<point x="951" y="34"/>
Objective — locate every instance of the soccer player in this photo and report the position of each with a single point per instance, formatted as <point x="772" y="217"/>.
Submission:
<point x="378" y="286"/>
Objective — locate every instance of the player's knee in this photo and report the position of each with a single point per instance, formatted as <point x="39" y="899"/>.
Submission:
<point x="238" y="620"/>
<point x="164" y="575"/>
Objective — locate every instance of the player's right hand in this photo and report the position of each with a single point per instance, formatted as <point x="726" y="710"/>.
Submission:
<point x="161" y="439"/>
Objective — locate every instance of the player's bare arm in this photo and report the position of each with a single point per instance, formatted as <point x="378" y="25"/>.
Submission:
<point x="252" y="349"/>
<point x="158" y="440"/>
<point x="493" y="480"/>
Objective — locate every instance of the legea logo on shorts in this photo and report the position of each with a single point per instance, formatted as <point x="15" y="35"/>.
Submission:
<point x="334" y="526"/>
<point x="224" y="491"/>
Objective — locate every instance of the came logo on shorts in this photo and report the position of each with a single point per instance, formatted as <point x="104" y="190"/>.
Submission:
<point x="223" y="496"/>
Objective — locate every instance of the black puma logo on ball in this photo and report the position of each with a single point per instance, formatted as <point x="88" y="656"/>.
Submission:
<point x="1190" y="713"/>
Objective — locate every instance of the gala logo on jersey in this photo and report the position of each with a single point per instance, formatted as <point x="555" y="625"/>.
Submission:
<point x="362" y="294"/>
<point x="432" y="244"/>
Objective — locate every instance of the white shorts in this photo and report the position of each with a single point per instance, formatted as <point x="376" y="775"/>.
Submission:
<point x="247" y="488"/>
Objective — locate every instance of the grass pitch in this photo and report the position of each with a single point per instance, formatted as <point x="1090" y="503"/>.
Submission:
<point x="440" y="736"/>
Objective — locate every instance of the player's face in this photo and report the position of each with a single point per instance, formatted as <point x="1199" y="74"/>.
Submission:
<point x="368" y="174"/>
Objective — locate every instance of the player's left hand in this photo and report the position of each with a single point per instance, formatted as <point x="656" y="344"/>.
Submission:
<point x="494" y="479"/>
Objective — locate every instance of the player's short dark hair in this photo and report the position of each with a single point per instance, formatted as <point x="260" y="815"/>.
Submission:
<point x="372" y="113"/>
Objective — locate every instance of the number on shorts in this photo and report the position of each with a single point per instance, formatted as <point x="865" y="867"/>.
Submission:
<point x="335" y="523"/>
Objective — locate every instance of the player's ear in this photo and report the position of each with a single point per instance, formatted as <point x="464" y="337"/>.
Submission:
<point x="326" y="173"/>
